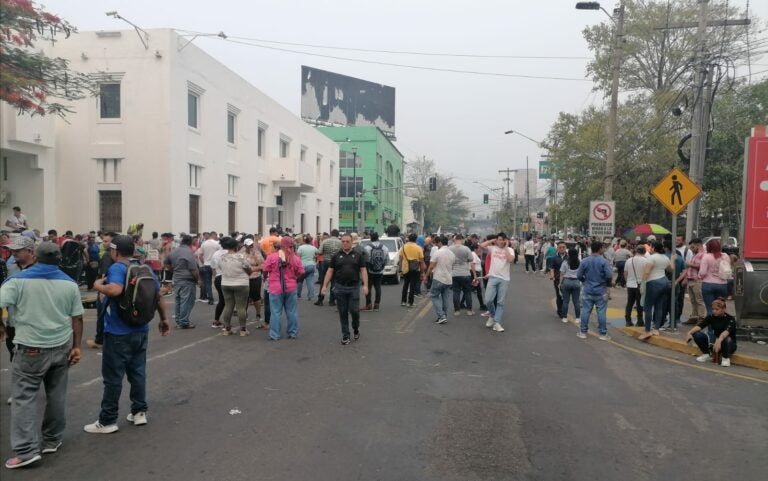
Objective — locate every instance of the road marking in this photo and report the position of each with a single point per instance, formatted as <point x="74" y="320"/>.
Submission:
<point x="165" y="354"/>
<point x="407" y="326"/>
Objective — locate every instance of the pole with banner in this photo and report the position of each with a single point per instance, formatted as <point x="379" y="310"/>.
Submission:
<point x="675" y="191"/>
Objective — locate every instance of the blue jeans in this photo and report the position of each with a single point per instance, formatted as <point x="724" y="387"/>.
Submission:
<point x="571" y="289"/>
<point x="277" y="304"/>
<point x="123" y="356"/>
<point x="496" y="289"/>
<point x="656" y="294"/>
<point x="206" y="272"/>
<point x="185" y="299"/>
<point x="310" y="281"/>
<point x="31" y="369"/>
<point x="600" y="301"/>
<point x="348" y="302"/>
<point x="462" y="285"/>
<point x="440" y="298"/>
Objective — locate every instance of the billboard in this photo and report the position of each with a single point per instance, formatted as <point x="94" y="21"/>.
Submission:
<point x="329" y="98"/>
<point x="754" y="237"/>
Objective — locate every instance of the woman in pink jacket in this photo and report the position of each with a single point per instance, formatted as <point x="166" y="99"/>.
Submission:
<point x="284" y="268"/>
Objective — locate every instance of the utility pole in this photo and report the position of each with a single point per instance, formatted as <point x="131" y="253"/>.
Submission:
<point x="610" y="153"/>
<point x="527" y="191"/>
<point x="507" y="171"/>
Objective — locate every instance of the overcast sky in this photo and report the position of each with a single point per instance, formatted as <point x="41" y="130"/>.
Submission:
<point x="456" y="119"/>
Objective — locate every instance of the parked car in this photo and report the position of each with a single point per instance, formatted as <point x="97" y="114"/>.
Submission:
<point x="393" y="245"/>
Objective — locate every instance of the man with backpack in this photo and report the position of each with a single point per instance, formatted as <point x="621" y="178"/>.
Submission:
<point x="132" y="297"/>
<point x="376" y="258"/>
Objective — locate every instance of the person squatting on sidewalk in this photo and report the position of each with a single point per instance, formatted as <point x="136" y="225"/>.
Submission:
<point x="48" y="319"/>
<point x="724" y="327"/>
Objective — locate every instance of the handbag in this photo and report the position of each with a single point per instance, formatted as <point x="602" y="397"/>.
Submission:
<point x="413" y="265"/>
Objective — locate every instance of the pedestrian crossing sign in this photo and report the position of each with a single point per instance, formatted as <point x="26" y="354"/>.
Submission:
<point x="675" y="191"/>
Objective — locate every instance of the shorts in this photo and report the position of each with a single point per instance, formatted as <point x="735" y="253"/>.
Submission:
<point x="254" y="289"/>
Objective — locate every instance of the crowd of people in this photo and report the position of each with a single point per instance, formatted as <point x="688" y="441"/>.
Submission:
<point x="271" y="274"/>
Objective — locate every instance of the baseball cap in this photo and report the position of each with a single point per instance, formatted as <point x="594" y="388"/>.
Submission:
<point x="248" y="242"/>
<point x="22" y="242"/>
<point x="123" y="244"/>
<point x="48" y="253"/>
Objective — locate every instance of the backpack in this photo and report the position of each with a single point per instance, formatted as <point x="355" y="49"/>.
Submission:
<point x="724" y="270"/>
<point x="70" y="254"/>
<point x="378" y="259"/>
<point x="138" y="303"/>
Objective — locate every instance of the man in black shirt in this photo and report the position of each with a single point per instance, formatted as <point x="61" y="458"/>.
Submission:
<point x="554" y="276"/>
<point x="347" y="269"/>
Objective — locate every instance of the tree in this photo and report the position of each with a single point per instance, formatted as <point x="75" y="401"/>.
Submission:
<point x="29" y="80"/>
<point x="442" y="207"/>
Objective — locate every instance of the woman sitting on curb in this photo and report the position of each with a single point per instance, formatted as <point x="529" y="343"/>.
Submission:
<point x="724" y="326"/>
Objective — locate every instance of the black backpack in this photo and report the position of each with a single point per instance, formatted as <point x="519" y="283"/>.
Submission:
<point x="71" y="254"/>
<point x="138" y="302"/>
<point x="378" y="259"/>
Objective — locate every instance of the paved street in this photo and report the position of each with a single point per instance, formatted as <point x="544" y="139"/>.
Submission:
<point x="412" y="400"/>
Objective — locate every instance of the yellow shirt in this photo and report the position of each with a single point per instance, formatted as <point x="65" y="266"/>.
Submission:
<point x="410" y="252"/>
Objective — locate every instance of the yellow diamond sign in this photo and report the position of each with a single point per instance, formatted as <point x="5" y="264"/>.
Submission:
<point x="676" y="190"/>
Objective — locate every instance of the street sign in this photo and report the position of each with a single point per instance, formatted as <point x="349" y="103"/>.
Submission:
<point x="525" y="227"/>
<point x="545" y="169"/>
<point x="602" y="218"/>
<point x="675" y="191"/>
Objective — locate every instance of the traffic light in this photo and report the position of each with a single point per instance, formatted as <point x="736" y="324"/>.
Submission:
<point x="433" y="183"/>
<point x="485" y="198"/>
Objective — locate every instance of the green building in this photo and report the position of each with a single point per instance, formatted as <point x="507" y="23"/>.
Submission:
<point x="378" y="177"/>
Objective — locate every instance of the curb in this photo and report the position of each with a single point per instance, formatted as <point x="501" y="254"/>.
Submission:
<point x="679" y="346"/>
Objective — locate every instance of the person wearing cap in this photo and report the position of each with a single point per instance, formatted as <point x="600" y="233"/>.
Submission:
<point x="125" y="345"/>
<point x="48" y="318"/>
<point x="185" y="276"/>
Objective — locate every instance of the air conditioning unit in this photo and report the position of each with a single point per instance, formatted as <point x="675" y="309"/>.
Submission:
<point x="5" y="197"/>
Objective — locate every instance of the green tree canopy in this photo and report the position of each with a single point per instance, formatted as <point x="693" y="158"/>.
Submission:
<point x="29" y="80"/>
<point x="444" y="207"/>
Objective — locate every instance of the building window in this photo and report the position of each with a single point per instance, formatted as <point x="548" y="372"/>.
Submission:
<point x="318" y="167"/>
<point x="262" y="192"/>
<point x="193" y="102"/>
<point x="194" y="214"/>
<point x="107" y="171"/>
<point x="231" y="127"/>
<point x="261" y="135"/>
<point x="195" y="176"/>
<point x="284" y="148"/>
<point x="350" y="186"/>
<point x="111" y="210"/>
<point x="232" y="216"/>
<point x="347" y="160"/>
<point x="303" y="155"/>
<point x="231" y="184"/>
<point x="109" y="100"/>
<point x="331" y="174"/>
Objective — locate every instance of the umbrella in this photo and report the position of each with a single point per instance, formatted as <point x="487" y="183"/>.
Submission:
<point x="646" y="229"/>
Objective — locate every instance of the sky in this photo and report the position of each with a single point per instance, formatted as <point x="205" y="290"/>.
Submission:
<point x="456" y="119"/>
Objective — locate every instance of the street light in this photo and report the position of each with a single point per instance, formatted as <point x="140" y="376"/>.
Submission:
<point x="618" y="33"/>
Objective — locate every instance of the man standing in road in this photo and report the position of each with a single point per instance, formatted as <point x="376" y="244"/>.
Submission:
<point x="329" y="248"/>
<point x="441" y="269"/>
<point x="346" y="269"/>
<point x="185" y="277"/>
<point x="595" y="273"/>
<point x="205" y="253"/>
<point x="554" y="275"/>
<point x="376" y="258"/>
<point x="462" y="275"/>
<point x="498" y="278"/>
<point x="412" y="266"/>
<point x="529" y="250"/>
<point x="125" y="345"/>
<point x="48" y="318"/>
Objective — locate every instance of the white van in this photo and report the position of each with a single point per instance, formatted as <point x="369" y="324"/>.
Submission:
<point x="393" y="245"/>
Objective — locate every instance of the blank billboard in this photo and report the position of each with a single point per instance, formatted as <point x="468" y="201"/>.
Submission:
<point x="329" y="98"/>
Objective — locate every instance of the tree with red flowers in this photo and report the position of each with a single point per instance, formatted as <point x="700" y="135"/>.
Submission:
<point x="29" y="80"/>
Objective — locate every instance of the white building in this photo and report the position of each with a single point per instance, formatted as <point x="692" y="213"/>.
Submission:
<point x="174" y="140"/>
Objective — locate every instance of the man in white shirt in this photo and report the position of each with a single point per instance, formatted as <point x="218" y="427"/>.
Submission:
<point x="205" y="254"/>
<point x="633" y="272"/>
<point x="441" y="268"/>
<point x="498" y="278"/>
<point x="529" y="250"/>
<point x="18" y="221"/>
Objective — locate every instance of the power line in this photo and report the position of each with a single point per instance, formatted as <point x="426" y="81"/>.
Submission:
<point x="403" y="52"/>
<point x="416" y="67"/>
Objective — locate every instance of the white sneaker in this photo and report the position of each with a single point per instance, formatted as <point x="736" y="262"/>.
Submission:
<point x="497" y="327"/>
<point x="581" y="335"/>
<point x="486" y="314"/>
<point x="725" y="362"/>
<point x="470" y="313"/>
<point x="98" y="428"/>
<point x="604" y="337"/>
<point x="10" y="400"/>
<point x="457" y="313"/>
<point x="138" y="419"/>
<point x="704" y="358"/>
<point x="490" y="322"/>
<point x="565" y="319"/>
<point x="442" y="320"/>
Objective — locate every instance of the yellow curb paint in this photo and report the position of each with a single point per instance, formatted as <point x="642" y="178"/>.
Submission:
<point x="407" y="326"/>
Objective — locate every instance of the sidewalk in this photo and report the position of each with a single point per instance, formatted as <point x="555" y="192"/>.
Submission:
<point x="749" y="354"/>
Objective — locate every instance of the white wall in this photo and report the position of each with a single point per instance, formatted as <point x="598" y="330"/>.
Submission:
<point x="156" y="146"/>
